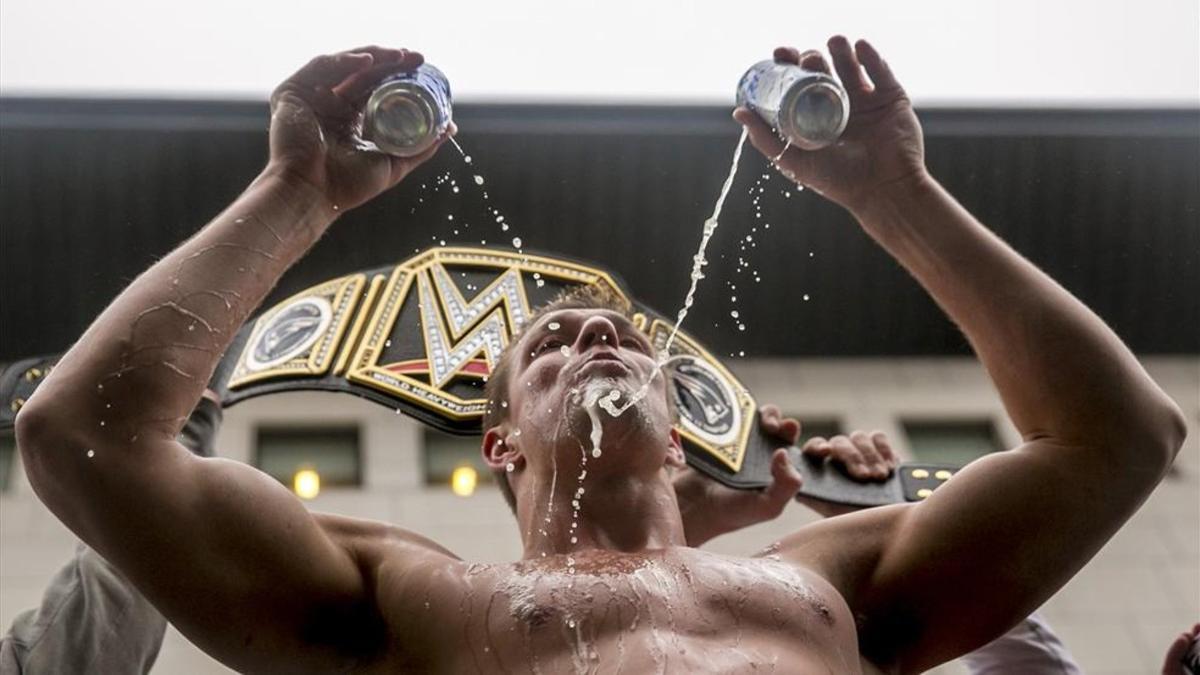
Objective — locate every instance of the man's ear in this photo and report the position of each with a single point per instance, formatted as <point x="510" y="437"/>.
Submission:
<point x="497" y="453"/>
<point x="675" y="455"/>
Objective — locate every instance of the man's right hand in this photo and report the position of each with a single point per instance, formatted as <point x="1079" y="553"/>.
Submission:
<point x="316" y="127"/>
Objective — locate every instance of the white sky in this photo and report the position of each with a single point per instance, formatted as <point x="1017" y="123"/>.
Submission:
<point x="973" y="52"/>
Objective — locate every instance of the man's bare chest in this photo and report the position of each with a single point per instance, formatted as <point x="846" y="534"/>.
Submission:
<point x="635" y="609"/>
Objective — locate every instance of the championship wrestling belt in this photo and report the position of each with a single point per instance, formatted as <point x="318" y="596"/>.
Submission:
<point x="422" y="336"/>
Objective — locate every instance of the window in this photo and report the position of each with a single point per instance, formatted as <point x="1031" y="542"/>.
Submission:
<point x="332" y="452"/>
<point x="444" y="453"/>
<point x="950" y="442"/>
<point x="811" y="428"/>
<point x="8" y="454"/>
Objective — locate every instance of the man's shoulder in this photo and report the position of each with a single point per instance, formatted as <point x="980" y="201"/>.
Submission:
<point x="843" y="548"/>
<point x="374" y="541"/>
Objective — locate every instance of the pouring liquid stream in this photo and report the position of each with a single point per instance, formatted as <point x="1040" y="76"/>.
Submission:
<point x="608" y="403"/>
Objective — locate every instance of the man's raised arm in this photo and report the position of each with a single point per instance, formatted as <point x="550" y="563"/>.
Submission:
<point x="228" y="554"/>
<point x="987" y="548"/>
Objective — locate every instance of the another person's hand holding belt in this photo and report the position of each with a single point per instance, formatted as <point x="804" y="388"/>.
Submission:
<point x="710" y="509"/>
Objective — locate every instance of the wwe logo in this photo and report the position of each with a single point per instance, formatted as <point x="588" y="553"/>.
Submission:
<point x="450" y="348"/>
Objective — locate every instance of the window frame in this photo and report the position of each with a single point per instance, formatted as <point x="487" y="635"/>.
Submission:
<point x="906" y="424"/>
<point x="299" y="430"/>
<point x="8" y="471"/>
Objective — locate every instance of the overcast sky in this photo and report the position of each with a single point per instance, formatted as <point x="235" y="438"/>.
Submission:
<point x="975" y="52"/>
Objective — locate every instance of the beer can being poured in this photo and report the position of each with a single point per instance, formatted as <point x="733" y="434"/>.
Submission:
<point x="809" y="109"/>
<point x="407" y="112"/>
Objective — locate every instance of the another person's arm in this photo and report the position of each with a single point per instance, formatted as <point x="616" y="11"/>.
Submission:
<point x="229" y="555"/>
<point x="91" y="619"/>
<point x="709" y="509"/>
<point x="940" y="578"/>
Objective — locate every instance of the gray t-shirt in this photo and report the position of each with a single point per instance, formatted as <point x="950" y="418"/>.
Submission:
<point x="1030" y="648"/>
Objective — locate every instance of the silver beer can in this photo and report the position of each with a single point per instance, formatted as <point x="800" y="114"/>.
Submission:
<point x="809" y="109"/>
<point x="407" y="112"/>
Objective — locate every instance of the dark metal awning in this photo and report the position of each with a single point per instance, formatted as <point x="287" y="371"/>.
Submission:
<point x="1107" y="201"/>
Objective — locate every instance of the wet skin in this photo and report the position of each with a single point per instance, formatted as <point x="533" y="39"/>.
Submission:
<point x="669" y="610"/>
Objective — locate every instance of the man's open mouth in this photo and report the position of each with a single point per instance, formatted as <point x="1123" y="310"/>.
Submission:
<point x="605" y="363"/>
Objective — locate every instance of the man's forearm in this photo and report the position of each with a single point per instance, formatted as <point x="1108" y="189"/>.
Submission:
<point x="1060" y="371"/>
<point x="142" y="365"/>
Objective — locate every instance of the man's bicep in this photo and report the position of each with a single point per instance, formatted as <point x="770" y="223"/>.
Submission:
<point x="986" y="549"/>
<point x="234" y="560"/>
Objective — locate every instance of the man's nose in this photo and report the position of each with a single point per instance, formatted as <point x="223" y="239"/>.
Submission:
<point x="596" y="331"/>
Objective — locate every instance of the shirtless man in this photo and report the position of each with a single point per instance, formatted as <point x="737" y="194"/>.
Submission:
<point x="238" y="564"/>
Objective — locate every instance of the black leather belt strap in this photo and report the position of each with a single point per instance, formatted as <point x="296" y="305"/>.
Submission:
<point x="421" y="337"/>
